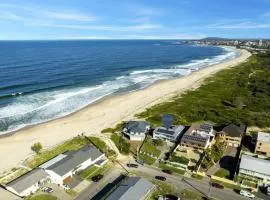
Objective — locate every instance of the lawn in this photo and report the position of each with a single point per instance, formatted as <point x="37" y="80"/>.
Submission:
<point x="148" y="147"/>
<point x="121" y="143"/>
<point x="98" y="143"/>
<point x="42" y="197"/>
<point x="173" y="169"/>
<point x="227" y="185"/>
<point x="88" y="172"/>
<point x="179" y="159"/>
<point x="73" y="144"/>
<point x="197" y="176"/>
<point x="147" y="159"/>
<point x="188" y="194"/>
<point x="223" y="173"/>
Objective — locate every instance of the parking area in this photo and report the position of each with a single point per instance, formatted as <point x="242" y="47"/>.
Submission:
<point x="58" y="192"/>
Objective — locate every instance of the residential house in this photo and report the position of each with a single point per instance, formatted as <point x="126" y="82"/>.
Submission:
<point x="136" y="130"/>
<point x="64" y="166"/>
<point x="232" y="134"/>
<point x="254" y="169"/>
<point x="28" y="183"/>
<point x="172" y="134"/>
<point x="198" y="136"/>
<point x="134" y="188"/>
<point x="263" y="144"/>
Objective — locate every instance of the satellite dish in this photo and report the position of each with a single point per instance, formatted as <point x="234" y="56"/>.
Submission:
<point x="167" y="120"/>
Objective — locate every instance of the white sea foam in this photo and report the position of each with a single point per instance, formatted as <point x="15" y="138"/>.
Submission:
<point x="36" y="108"/>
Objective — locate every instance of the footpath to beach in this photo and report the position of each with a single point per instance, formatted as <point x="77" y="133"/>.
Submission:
<point x="92" y="119"/>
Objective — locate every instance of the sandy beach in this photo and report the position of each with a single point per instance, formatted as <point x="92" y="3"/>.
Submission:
<point x="106" y="113"/>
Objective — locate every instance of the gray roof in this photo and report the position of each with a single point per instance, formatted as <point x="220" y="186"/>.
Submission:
<point x="255" y="164"/>
<point x="27" y="180"/>
<point x="206" y="127"/>
<point x="172" y="131"/>
<point x="74" y="159"/>
<point x="133" y="188"/>
<point x="233" y="130"/>
<point x="136" y="126"/>
<point x="264" y="137"/>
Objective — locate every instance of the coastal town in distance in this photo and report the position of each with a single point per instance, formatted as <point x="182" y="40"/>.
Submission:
<point x="134" y="100"/>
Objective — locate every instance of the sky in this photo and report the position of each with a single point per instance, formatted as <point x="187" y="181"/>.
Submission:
<point x="130" y="19"/>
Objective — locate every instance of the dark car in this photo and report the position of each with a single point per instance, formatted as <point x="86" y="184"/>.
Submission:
<point x="217" y="185"/>
<point x="97" y="177"/>
<point x="132" y="165"/>
<point x="47" y="189"/>
<point x="161" y="178"/>
<point x="167" y="171"/>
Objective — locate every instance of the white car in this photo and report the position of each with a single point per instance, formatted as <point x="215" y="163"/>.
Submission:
<point x="66" y="187"/>
<point x="247" y="194"/>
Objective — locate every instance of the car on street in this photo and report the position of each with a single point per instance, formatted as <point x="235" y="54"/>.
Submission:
<point x="247" y="194"/>
<point x="66" y="187"/>
<point x="141" y="162"/>
<point x="161" y="178"/>
<point x="268" y="190"/>
<point x="217" y="185"/>
<point x="167" y="171"/>
<point x="132" y="165"/>
<point x="47" y="189"/>
<point x="97" y="178"/>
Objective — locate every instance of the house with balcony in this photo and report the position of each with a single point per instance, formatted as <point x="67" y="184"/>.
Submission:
<point x="254" y="169"/>
<point x="263" y="144"/>
<point x="136" y="130"/>
<point x="171" y="134"/>
<point x="232" y="134"/>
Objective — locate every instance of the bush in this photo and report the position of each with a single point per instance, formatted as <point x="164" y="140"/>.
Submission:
<point x="223" y="173"/>
<point x="36" y="147"/>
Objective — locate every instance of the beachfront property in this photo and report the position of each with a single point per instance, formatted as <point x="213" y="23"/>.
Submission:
<point x="172" y="134"/>
<point x="132" y="189"/>
<point x="263" y="144"/>
<point x="62" y="167"/>
<point x="28" y="183"/>
<point x="136" y="130"/>
<point x="232" y="134"/>
<point x="254" y="169"/>
<point x="198" y="136"/>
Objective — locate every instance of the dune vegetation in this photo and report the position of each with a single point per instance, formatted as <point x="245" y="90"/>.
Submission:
<point x="237" y="95"/>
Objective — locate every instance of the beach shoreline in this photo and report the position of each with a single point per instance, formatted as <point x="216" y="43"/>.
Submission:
<point x="101" y="114"/>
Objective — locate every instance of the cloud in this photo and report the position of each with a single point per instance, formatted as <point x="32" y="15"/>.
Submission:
<point x="244" y="25"/>
<point x="267" y="14"/>
<point x="6" y="15"/>
<point x="73" y="16"/>
<point x="29" y="12"/>
<point x="140" y="27"/>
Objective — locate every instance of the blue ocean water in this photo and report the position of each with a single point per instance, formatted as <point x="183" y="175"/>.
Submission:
<point x="44" y="80"/>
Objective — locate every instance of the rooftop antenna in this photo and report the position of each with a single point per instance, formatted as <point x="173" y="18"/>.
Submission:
<point x="167" y="120"/>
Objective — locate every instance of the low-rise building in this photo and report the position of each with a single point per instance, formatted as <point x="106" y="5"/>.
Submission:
<point x="172" y="134"/>
<point x="232" y="134"/>
<point x="263" y="144"/>
<point x="254" y="169"/>
<point x="198" y="136"/>
<point x="133" y="188"/>
<point x="136" y="130"/>
<point x="64" y="166"/>
<point x="28" y="183"/>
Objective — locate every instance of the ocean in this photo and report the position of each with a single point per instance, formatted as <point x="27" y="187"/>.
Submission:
<point x="45" y="80"/>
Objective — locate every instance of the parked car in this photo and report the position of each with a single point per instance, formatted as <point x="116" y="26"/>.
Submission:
<point x="217" y="185"/>
<point x="132" y="165"/>
<point x="167" y="171"/>
<point x="47" y="189"/>
<point x="247" y="194"/>
<point x="66" y="187"/>
<point x="141" y="162"/>
<point x="97" y="178"/>
<point x="161" y="178"/>
<point x="268" y="190"/>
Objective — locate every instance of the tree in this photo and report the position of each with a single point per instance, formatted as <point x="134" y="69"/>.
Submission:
<point x="36" y="147"/>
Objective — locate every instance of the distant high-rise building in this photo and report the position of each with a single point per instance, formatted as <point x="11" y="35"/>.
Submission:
<point x="236" y="42"/>
<point x="260" y="43"/>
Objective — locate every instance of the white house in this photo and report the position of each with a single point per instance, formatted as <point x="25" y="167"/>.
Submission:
<point x="255" y="169"/>
<point x="64" y="166"/>
<point x="172" y="134"/>
<point x="136" y="130"/>
<point x="28" y="183"/>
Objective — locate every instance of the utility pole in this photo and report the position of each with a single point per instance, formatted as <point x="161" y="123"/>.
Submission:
<point x="210" y="188"/>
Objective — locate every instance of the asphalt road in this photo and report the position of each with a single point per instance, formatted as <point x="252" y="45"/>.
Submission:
<point x="149" y="172"/>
